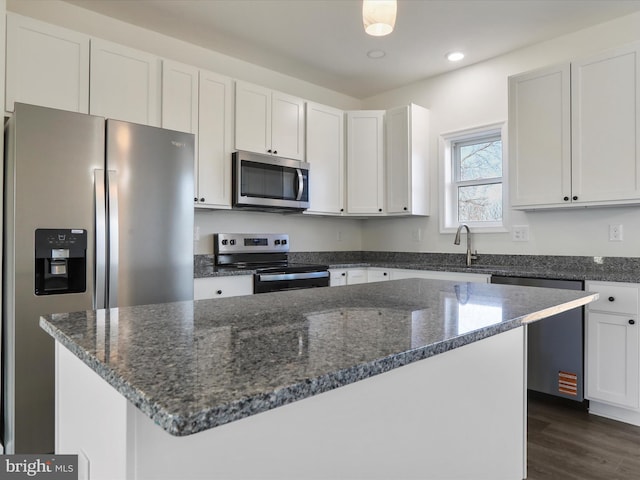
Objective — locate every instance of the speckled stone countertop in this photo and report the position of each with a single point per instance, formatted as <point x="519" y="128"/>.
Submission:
<point x="612" y="269"/>
<point x="192" y="366"/>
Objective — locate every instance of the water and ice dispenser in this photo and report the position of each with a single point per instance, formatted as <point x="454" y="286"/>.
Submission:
<point x="61" y="261"/>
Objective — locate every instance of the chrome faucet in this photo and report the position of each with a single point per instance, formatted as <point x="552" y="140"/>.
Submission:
<point x="470" y="256"/>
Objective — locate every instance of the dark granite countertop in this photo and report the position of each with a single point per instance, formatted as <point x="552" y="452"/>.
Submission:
<point x="192" y="366"/>
<point x="612" y="269"/>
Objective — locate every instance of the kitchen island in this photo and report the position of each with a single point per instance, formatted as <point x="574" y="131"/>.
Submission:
<point x="403" y="379"/>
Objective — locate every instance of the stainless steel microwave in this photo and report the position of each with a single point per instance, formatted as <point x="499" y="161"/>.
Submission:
<point x="265" y="182"/>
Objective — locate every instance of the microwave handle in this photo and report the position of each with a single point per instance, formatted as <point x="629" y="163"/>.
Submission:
<point x="300" y="184"/>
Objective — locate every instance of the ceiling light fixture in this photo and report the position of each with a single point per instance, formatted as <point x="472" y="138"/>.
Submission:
<point x="379" y="16"/>
<point x="455" y="56"/>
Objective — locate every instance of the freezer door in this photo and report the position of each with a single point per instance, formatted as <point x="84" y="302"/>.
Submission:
<point x="49" y="173"/>
<point x="150" y="214"/>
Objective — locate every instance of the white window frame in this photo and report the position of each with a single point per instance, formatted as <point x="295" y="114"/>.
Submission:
<point x="448" y="185"/>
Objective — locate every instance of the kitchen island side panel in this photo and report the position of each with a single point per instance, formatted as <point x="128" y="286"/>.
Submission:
<point x="458" y="415"/>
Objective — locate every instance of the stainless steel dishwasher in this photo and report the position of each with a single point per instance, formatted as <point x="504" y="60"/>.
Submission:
<point x="555" y="363"/>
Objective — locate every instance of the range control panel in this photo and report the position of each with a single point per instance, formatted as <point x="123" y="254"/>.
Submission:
<point x="250" y="243"/>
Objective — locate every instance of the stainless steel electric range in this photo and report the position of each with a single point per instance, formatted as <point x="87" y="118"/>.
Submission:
<point x="268" y="256"/>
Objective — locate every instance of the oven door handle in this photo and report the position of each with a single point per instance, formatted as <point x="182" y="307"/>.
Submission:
<point x="275" y="277"/>
<point x="300" y="184"/>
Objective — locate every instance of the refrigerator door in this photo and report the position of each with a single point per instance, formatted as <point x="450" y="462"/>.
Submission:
<point x="49" y="170"/>
<point x="150" y="214"/>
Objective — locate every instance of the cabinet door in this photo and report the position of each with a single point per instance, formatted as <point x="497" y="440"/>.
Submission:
<point x="378" y="275"/>
<point x="337" y="278"/>
<point x="215" y="140"/>
<point x="287" y="126"/>
<point x="407" y="160"/>
<point x="356" y="276"/>
<point x="540" y="138"/>
<point x="325" y="154"/>
<point x="179" y="97"/>
<point x="613" y="364"/>
<point x="365" y="162"/>
<point x="220" y="287"/>
<point x="46" y="65"/>
<point x="253" y="118"/>
<point x="606" y="126"/>
<point x="124" y="83"/>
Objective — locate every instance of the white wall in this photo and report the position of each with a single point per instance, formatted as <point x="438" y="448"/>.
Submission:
<point x="306" y="233"/>
<point x="477" y="95"/>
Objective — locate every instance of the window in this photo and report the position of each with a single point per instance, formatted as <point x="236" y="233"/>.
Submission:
<point x="473" y="180"/>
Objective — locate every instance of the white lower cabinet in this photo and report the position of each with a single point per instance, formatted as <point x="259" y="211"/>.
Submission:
<point x="378" y="274"/>
<point x="219" y="287"/>
<point x="347" y="276"/>
<point x="613" y="351"/>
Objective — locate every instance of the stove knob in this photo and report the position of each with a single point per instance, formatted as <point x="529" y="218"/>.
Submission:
<point x="277" y="242"/>
<point x="232" y="242"/>
<point x="224" y="242"/>
<point x="284" y="242"/>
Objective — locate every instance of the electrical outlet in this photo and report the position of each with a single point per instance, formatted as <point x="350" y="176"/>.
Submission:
<point x="615" y="233"/>
<point x="339" y="236"/>
<point x="416" y="235"/>
<point x="520" y="233"/>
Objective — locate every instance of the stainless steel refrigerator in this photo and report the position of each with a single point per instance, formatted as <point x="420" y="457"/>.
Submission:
<point x="97" y="214"/>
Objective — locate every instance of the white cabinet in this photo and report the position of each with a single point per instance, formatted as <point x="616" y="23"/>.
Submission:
<point x="179" y="97"/>
<point x="124" y="83"/>
<point x="269" y="122"/>
<point x="613" y="346"/>
<point x="220" y="287"/>
<point x="378" y="274"/>
<point x="46" y="65"/>
<point x="347" y="276"/>
<point x="201" y="102"/>
<point x="365" y="162"/>
<point x="215" y="141"/>
<point x="573" y="133"/>
<point x="325" y="154"/>
<point x="407" y="160"/>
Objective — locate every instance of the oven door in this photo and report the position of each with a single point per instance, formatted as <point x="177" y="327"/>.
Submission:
<point x="278" y="281"/>
<point x="266" y="181"/>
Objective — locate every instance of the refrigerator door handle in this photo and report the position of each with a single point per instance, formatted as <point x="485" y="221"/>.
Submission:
<point x="113" y="235"/>
<point x="101" y="240"/>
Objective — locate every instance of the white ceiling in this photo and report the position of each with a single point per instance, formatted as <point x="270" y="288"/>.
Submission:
<point x="323" y="41"/>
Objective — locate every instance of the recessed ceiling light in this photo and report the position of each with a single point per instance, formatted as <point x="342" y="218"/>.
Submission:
<point x="376" y="54"/>
<point x="455" y="56"/>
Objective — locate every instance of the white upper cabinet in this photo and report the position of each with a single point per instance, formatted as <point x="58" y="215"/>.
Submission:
<point x="215" y="140"/>
<point x="125" y="83"/>
<point x="574" y="131"/>
<point x="325" y="154"/>
<point x="605" y="126"/>
<point x="407" y="160"/>
<point x="179" y="97"/>
<point x="269" y="122"/>
<point x="540" y="137"/>
<point x="46" y="65"/>
<point x="365" y="162"/>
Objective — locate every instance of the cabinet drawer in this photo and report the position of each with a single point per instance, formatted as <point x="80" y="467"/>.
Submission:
<point x="614" y="298"/>
<point x="220" y="287"/>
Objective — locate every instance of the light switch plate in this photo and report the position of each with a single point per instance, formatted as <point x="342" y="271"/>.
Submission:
<point x="615" y="233"/>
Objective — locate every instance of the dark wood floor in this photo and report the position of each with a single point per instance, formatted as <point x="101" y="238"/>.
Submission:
<point x="566" y="443"/>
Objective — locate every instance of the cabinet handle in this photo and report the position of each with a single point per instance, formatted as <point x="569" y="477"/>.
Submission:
<point x="385" y="274"/>
<point x="566" y="199"/>
<point x="632" y="322"/>
<point x="202" y="199"/>
<point x="405" y="209"/>
<point x="379" y="209"/>
<point x="195" y="199"/>
<point x="611" y="299"/>
<point x="269" y="151"/>
<point x="219" y="292"/>
<point x="275" y="152"/>
<point x="344" y="274"/>
<point x="575" y="197"/>
<point x="342" y="209"/>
